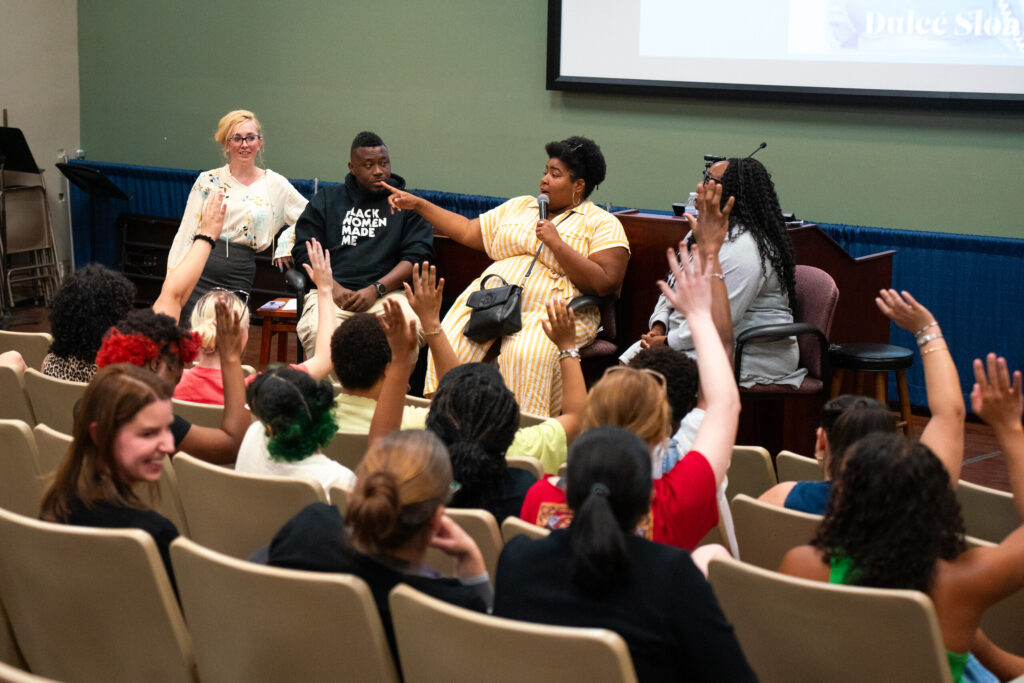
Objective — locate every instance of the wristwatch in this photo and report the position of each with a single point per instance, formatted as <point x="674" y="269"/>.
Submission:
<point x="381" y="289"/>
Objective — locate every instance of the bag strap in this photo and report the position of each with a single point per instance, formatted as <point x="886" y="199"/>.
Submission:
<point x="537" y="255"/>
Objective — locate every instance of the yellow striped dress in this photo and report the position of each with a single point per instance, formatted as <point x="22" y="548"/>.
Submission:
<point x="528" y="359"/>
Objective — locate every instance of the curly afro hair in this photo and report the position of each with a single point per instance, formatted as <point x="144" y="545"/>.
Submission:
<point x="583" y="158"/>
<point x="360" y="351"/>
<point x="476" y="417"/>
<point x="297" y="410"/>
<point x="681" y="377"/>
<point x="89" y="302"/>
<point x="125" y="342"/>
<point x="893" y="513"/>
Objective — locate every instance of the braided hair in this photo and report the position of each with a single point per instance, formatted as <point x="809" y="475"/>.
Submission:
<point x="757" y="210"/>
<point x="476" y="417"/>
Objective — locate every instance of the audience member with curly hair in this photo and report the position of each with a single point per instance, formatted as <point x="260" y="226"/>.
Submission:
<point x="582" y="250"/>
<point x="89" y="301"/>
<point x="395" y="514"/>
<point x="296" y="420"/>
<point x="894" y="522"/>
<point x="155" y="342"/>
<point x="758" y="269"/>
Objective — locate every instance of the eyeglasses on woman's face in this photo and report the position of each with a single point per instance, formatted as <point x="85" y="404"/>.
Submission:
<point x="709" y="178"/>
<point x="248" y="139"/>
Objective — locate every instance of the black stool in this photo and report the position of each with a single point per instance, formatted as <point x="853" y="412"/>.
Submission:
<point x="875" y="358"/>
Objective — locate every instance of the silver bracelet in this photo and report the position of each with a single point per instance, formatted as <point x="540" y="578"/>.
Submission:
<point x="921" y="341"/>
<point x="720" y="276"/>
<point x="569" y="353"/>
<point x="921" y="331"/>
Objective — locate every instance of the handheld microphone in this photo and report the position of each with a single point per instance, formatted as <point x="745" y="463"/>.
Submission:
<point x="542" y="202"/>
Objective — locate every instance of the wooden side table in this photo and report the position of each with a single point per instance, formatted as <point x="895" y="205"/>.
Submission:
<point x="279" y="318"/>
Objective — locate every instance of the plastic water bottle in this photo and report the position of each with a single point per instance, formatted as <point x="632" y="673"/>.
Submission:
<point x="691" y="204"/>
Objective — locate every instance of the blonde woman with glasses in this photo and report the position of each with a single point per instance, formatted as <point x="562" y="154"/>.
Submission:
<point x="684" y="506"/>
<point x="258" y="201"/>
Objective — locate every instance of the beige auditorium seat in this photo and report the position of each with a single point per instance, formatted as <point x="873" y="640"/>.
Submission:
<point x="9" y="651"/>
<point x="987" y="513"/>
<point x="531" y="465"/>
<point x="51" y="447"/>
<point x="441" y="642"/>
<point x="237" y="513"/>
<point x="14" y="402"/>
<point x="793" y="467"/>
<point x="165" y="497"/>
<point x="21" y="485"/>
<point x="11" y="674"/>
<point x="251" y="623"/>
<point x="513" y="526"/>
<point x="53" y="400"/>
<point x="750" y="472"/>
<point x="33" y="346"/>
<point x="529" y="419"/>
<point x="765" y="532"/>
<point x="1002" y="621"/>
<point x="91" y="605"/>
<point x="798" y="630"/>
<point x="482" y="528"/>
<point x="348" y="448"/>
<point x="202" y="414"/>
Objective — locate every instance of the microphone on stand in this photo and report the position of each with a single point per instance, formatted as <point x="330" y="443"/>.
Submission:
<point x="759" y="148"/>
<point x="542" y="202"/>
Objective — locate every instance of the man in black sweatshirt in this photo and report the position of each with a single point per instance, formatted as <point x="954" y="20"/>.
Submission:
<point x="372" y="250"/>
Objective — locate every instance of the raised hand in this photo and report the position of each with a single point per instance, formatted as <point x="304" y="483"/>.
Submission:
<point x="425" y="295"/>
<point x="711" y="228"/>
<point x="229" y="331"/>
<point x="400" y="199"/>
<point x="560" y="327"/>
<point x="904" y="310"/>
<point x="401" y="334"/>
<point x="212" y="221"/>
<point x="692" y="293"/>
<point x="319" y="266"/>
<point x="994" y="398"/>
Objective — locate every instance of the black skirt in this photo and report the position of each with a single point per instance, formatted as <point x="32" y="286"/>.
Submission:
<point x="230" y="266"/>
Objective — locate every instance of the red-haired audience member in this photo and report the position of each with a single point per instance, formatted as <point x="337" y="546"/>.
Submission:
<point x="155" y="342"/>
<point x="396" y="512"/>
<point x="684" y="508"/>
<point x="122" y="433"/>
<point x="599" y="573"/>
<point x="894" y="522"/>
<point x="477" y="417"/>
<point x="296" y="420"/>
<point x="944" y="433"/>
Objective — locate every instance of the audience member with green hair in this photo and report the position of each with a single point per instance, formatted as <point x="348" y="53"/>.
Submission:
<point x="296" y="420"/>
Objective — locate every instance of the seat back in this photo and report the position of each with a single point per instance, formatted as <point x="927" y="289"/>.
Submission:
<point x="988" y="514"/>
<point x="765" y="532"/>
<point x="440" y="642"/>
<point x="165" y="498"/>
<point x="529" y="419"/>
<point x="816" y="299"/>
<point x="237" y="513"/>
<point x="793" y="467"/>
<point x="10" y="653"/>
<point x="340" y="496"/>
<point x="28" y="220"/>
<point x="348" y="448"/>
<point x="252" y="623"/>
<point x="21" y="485"/>
<point x="53" y="400"/>
<point x="482" y="528"/>
<point x="51" y="447"/>
<point x="91" y="604"/>
<point x="750" y="472"/>
<point x="1001" y="621"/>
<point x="33" y="346"/>
<point x="531" y="465"/>
<point x="14" y="403"/>
<point x="12" y="674"/>
<point x="798" y="630"/>
<point x="202" y="414"/>
<point x="513" y="526"/>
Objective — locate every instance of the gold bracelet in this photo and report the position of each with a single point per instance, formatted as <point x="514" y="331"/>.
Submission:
<point x="935" y="348"/>
<point x="435" y="332"/>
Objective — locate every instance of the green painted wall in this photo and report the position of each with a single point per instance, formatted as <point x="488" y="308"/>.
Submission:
<point x="457" y="91"/>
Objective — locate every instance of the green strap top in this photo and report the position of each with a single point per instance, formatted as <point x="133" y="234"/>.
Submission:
<point x="840" y="569"/>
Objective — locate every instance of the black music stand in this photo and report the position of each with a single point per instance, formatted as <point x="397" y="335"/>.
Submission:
<point x="94" y="184"/>
<point x="15" y="156"/>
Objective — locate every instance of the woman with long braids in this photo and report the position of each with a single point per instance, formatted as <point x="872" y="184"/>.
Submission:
<point x="759" y="274"/>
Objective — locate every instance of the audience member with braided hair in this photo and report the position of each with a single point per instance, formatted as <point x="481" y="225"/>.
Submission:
<point x="396" y="512"/>
<point x="599" y="573"/>
<point x="155" y="342"/>
<point x="758" y="269"/>
<point x="894" y="522"/>
<point x="296" y="420"/>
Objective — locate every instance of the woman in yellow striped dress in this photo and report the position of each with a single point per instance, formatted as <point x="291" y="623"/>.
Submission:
<point x="584" y="252"/>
